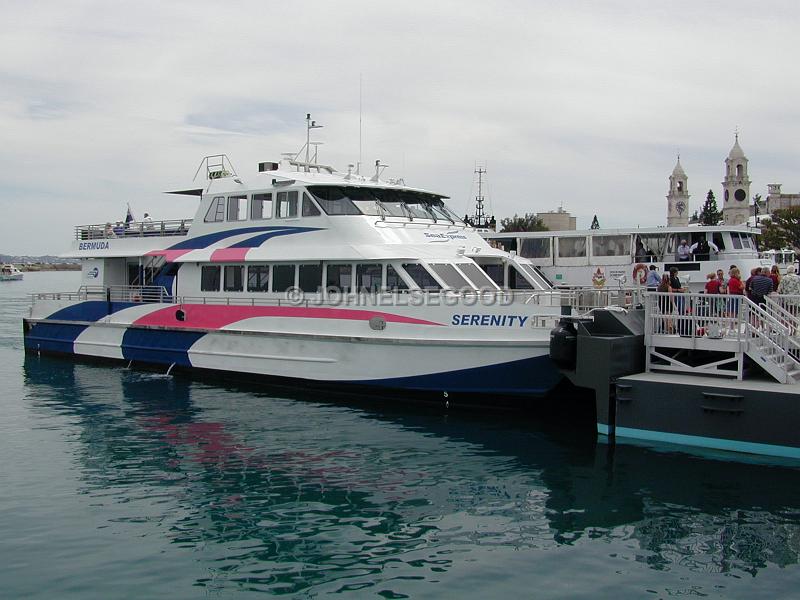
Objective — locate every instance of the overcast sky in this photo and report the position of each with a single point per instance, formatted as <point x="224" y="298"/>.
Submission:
<point x="583" y="104"/>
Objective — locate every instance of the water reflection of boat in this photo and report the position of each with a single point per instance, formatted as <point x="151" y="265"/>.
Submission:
<point x="303" y="481"/>
<point x="9" y="272"/>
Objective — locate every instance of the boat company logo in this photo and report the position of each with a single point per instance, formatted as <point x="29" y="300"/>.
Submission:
<point x="450" y="235"/>
<point x="93" y="273"/>
<point x="100" y="245"/>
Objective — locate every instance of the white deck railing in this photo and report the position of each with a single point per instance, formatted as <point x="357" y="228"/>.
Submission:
<point x="104" y="231"/>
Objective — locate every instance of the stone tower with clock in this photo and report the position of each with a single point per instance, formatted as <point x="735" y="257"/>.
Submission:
<point x="678" y="197"/>
<point x="736" y="187"/>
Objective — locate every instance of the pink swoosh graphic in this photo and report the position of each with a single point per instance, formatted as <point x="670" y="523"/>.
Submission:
<point x="229" y="254"/>
<point x="205" y="316"/>
<point x="169" y="255"/>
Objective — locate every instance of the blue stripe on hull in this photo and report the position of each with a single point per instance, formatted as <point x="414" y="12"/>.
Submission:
<point x="536" y="375"/>
<point x="91" y="310"/>
<point x="157" y="346"/>
<point x="52" y="337"/>
<point x="703" y="442"/>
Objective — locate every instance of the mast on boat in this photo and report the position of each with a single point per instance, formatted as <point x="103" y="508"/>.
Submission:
<point x="479" y="219"/>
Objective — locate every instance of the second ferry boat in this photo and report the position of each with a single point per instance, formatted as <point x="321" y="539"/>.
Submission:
<point x="313" y="276"/>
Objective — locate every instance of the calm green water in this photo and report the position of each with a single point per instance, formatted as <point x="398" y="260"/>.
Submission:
<point x="124" y="484"/>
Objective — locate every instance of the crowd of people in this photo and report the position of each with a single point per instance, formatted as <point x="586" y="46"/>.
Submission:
<point x="762" y="282"/>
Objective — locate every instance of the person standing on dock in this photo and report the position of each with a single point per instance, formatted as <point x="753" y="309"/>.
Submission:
<point x="760" y="287"/>
<point x="653" y="278"/>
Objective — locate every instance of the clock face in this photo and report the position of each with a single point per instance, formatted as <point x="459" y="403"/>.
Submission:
<point x="739" y="194"/>
<point x="680" y="206"/>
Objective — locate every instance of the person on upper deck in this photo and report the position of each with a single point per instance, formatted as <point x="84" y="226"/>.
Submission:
<point x="760" y="286"/>
<point x="684" y="252"/>
<point x="790" y="283"/>
<point x="702" y="249"/>
<point x="653" y="278"/>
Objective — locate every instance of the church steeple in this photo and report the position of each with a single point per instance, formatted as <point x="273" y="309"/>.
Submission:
<point x="678" y="197"/>
<point x="736" y="186"/>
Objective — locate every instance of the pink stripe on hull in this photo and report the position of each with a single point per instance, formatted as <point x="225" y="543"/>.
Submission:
<point x="229" y="254"/>
<point x="205" y="316"/>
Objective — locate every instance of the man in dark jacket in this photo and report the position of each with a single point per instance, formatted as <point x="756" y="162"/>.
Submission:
<point x="760" y="286"/>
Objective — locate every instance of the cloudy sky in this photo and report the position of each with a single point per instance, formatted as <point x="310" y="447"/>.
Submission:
<point x="583" y="104"/>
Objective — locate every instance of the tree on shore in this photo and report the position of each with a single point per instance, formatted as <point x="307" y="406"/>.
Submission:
<point x="527" y="222"/>
<point x="710" y="215"/>
<point x="781" y="230"/>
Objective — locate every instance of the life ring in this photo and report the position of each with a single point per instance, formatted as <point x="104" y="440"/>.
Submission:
<point x="640" y="273"/>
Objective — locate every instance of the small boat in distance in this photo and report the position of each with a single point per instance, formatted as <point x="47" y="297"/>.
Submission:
<point x="9" y="272"/>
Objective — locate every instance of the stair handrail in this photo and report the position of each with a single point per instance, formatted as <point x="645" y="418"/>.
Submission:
<point x="785" y="308"/>
<point x="774" y="335"/>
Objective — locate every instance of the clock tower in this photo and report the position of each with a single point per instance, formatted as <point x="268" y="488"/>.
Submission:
<point x="678" y="197"/>
<point x="736" y="187"/>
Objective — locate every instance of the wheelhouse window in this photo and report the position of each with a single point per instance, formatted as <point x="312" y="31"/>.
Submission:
<point x="477" y="276"/>
<point x="369" y="277"/>
<point x="237" y="208"/>
<point x="339" y="278"/>
<point x="451" y="276"/>
<point x="233" y="278"/>
<point x="209" y="278"/>
<point x="516" y="280"/>
<point x="571" y="247"/>
<point x="310" y="278"/>
<point x="352" y="200"/>
<point x="611" y="245"/>
<point x="216" y="210"/>
<point x="718" y="240"/>
<point x="394" y="282"/>
<point x="261" y="207"/>
<point x="420" y="275"/>
<point x="309" y="208"/>
<point x="258" y="278"/>
<point x="282" y="278"/>
<point x="287" y="205"/>
<point x="535" y="247"/>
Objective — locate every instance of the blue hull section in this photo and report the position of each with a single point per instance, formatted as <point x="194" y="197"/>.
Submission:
<point x="160" y="347"/>
<point x="51" y="337"/>
<point x="528" y="376"/>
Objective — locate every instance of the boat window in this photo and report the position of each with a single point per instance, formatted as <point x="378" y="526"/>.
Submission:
<point x="209" y="278"/>
<point x="451" y="276"/>
<point x="261" y="207"/>
<point x="737" y="242"/>
<point x="653" y="246"/>
<point x="237" y="208"/>
<point x="334" y="201"/>
<point x="393" y="280"/>
<point x="310" y="278"/>
<point x="369" y="277"/>
<point x="516" y="280"/>
<point x="309" y="208"/>
<point x="216" y="210"/>
<point x="282" y="278"/>
<point x="571" y="247"/>
<point x="420" y="275"/>
<point x="258" y="278"/>
<point x="287" y="205"/>
<point x="233" y="278"/>
<point x="611" y="245"/>
<point x="535" y="247"/>
<point x="719" y="241"/>
<point x="746" y="240"/>
<point x="339" y="278"/>
<point x="475" y="275"/>
<point x="494" y="271"/>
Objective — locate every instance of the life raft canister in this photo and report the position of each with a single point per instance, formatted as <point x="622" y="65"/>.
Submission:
<point x="640" y="273"/>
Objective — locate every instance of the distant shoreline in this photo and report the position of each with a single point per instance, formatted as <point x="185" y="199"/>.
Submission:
<point x="50" y="267"/>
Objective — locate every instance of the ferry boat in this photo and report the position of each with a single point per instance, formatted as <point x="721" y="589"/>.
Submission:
<point x="9" y="272"/>
<point x="309" y="276"/>
<point x="601" y="258"/>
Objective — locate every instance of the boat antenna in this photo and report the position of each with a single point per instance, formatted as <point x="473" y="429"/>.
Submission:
<point x="309" y="126"/>
<point x="480" y="215"/>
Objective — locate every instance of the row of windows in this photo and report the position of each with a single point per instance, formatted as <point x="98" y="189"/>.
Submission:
<point x="341" y="277"/>
<point x="285" y="206"/>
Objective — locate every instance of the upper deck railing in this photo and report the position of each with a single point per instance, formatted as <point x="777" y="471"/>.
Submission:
<point x="105" y="231"/>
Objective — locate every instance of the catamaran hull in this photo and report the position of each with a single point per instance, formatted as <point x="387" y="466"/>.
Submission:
<point x="348" y="353"/>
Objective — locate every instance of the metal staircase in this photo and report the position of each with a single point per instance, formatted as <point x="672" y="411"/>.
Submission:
<point x="711" y="334"/>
